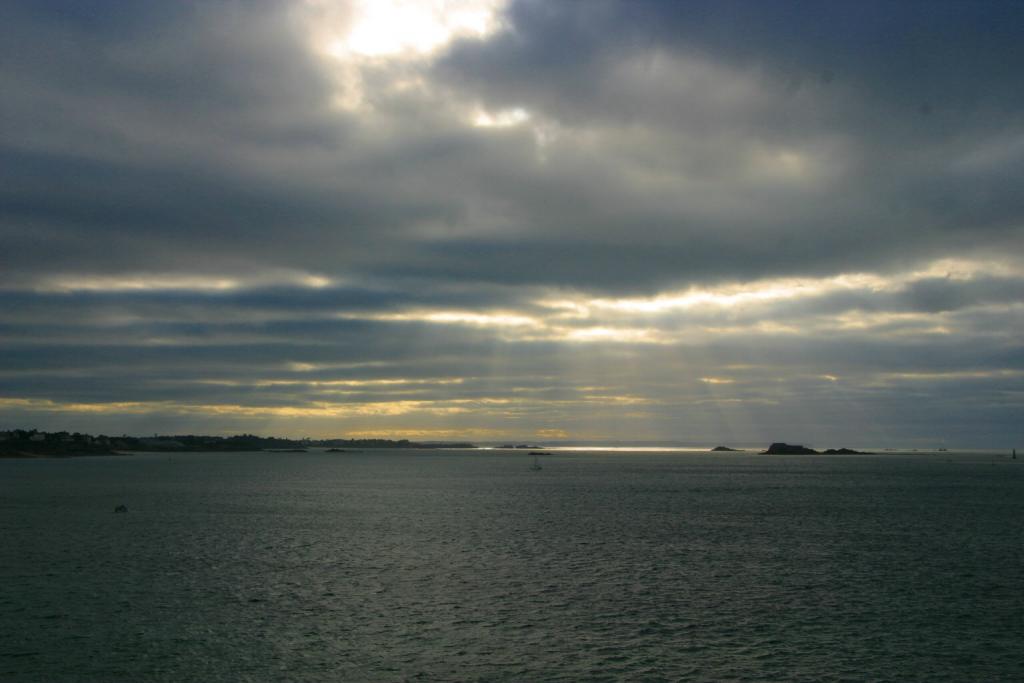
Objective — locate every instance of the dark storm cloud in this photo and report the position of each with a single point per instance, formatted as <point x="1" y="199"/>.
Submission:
<point x="915" y="105"/>
<point x="250" y="304"/>
<point x="160" y="142"/>
<point x="198" y="208"/>
<point x="196" y="137"/>
<point x="938" y="54"/>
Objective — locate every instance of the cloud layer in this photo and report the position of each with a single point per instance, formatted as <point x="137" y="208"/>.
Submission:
<point x="698" y="222"/>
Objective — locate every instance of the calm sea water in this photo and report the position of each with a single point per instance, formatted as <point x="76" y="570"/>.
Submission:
<point x="467" y="566"/>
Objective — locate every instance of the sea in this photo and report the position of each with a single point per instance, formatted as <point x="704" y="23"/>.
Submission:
<point x="445" y="565"/>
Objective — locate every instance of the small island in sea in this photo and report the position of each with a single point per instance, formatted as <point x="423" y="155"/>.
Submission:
<point x="31" y="443"/>
<point x="780" y="448"/>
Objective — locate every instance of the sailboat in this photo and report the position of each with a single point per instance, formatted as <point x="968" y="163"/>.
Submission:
<point x="536" y="464"/>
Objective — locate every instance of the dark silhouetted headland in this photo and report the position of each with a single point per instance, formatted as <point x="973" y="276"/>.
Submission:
<point x="22" y="443"/>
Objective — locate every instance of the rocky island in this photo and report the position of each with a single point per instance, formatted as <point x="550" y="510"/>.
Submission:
<point x="780" y="448"/>
<point x="796" y="449"/>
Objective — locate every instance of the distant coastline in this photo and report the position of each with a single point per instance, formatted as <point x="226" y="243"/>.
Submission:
<point x="31" y="443"/>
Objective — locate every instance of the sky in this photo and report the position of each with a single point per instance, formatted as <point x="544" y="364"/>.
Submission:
<point x="699" y="222"/>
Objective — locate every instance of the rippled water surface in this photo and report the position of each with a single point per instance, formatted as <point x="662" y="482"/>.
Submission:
<point x="468" y="566"/>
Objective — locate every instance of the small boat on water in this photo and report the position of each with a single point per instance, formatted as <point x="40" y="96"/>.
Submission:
<point x="121" y="508"/>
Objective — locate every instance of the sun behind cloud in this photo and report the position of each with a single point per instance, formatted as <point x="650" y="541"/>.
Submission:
<point x="398" y="28"/>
